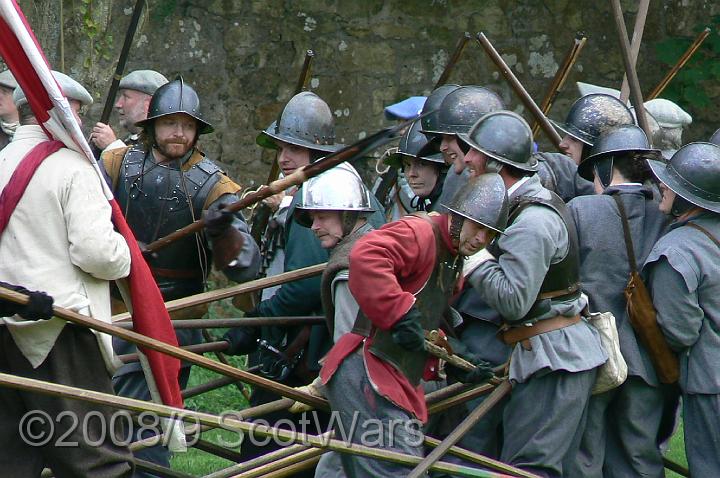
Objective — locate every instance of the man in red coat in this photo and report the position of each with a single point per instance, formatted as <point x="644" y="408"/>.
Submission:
<point x="402" y="276"/>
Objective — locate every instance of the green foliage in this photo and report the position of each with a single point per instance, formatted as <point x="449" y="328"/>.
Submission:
<point x="688" y="86"/>
<point x="163" y="9"/>
<point x="95" y="30"/>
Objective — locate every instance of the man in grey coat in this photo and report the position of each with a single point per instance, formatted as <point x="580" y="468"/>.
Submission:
<point x="530" y="276"/>
<point x="620" y="437"/>
<point x="684" y="280"/>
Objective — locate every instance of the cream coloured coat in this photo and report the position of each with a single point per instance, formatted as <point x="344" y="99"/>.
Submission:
<point x="59" y="240"/>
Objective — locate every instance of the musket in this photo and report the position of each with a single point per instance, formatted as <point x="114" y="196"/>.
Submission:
<point x="635" y="93"/>
<point x="560" y="77"/>
<point x="120" y="68"/>
<point x="262" y="212"/>
<point x="348" y="153"/>
<point x="635" y="44"/>
<point x="304" y="73"/>
<point x="454" y="58"/>
<point x="519" y="89"/>
<point x="389" y="179"/>
<point x="680" y="63"/>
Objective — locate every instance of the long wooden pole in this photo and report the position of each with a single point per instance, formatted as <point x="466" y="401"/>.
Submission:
<point x="250" y="286"/>
<point x="519" y="89"/>
<point x="560" y="77"/>
<point x="454" y="58"/>
<point x="460" y="431"/>
<point x="635" y="93"/>
<point x="228" y="423"/>
<point x="177" y="352"/>
<point x="239" y="322"/>
<point x="657" y="91"/>
<point x="635" y="45"/>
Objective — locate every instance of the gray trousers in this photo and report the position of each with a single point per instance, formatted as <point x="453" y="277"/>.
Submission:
<point x="361" y="415"/>
<point x="701" y="414"/>
<point x="544" y="420"/>
<point x="80" y="441"/>
<point x="486" y="436"/>
<point x="620" y="437"/>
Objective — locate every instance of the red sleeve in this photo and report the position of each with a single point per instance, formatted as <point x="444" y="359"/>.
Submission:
<point x="388" y="266"/>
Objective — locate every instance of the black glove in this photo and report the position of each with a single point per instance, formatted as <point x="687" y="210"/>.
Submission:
<point x="242" y="340"/>
<point x="39" y="306"/>
<point x="217" y="220"/>
<point x="408" y="333"/>
<point x="483" y="370"/>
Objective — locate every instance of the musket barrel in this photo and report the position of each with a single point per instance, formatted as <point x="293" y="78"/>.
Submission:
<point x="680" y="63"/>
<point x="519" y="89"/>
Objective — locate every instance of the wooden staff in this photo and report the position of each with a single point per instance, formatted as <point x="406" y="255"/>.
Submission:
<point x="348" y="153"/>
<point x="239" y="322"/>
<point x="460" y="431"/>
<point x="657" y="91"/>
<point x="635" y="93"/>
<point x="459" y="47"/>
<point x="560" y="77"/>
<point x="519" y="89"/>
<point x="635" y="45"/>
<point x="231" y="424"/>
<point x="250" y="286"/>
<point x="177" y="352"/>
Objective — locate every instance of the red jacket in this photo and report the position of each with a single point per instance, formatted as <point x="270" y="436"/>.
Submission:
<point x="388" y="267"/>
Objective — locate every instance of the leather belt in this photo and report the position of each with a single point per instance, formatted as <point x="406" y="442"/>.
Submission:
<point x="513" y="335"/>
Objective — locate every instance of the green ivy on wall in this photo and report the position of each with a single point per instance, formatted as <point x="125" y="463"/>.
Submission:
<point x="94" y="24"/>
<point x="689" y="85"/>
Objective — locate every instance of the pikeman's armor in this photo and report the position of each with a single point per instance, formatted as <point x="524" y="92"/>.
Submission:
<point x="156" y="200"/>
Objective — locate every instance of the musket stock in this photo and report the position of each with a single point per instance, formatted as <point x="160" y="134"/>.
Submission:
<point x="519" y="89"/>
<point x="657" y="91"/>
<point x="560" y="77"/>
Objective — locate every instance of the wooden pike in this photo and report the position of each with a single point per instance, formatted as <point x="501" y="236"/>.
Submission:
<point x="515" y="84"/>
<point x="258" y="284"/>
<point x="657" y="91"/>
<point x="231" y="424"/>
<point x="560" y="77"/>
<point x="239" y="322"/>
<point x="635" y="45"/>
<point x="635" y="93"/>
<point x="177" y="352"/>
<point x="460" y="431"/>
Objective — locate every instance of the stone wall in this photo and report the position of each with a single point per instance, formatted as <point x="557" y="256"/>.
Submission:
<point x="244" y="56"/>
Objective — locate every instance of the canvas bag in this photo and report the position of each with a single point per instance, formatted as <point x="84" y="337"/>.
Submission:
<point x="612" y="373"/>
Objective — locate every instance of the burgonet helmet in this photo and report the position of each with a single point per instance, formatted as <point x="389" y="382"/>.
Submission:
<point x="483" y="199"/>
<point x="462" y="107"/>
<point x="176" y="97"/>
<point x="592" y="114"/>
<point x="411" y="145"/>
<point x="337" y="189"/>
<point x="305" y="121"/>
<point x="617" y="143"/>
<point x="693" y="173"/>
<point x="504" y="136"/>
<point x="429" y="123"/>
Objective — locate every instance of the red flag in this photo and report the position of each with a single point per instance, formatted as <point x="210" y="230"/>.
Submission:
<point x="21" y="52"/>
